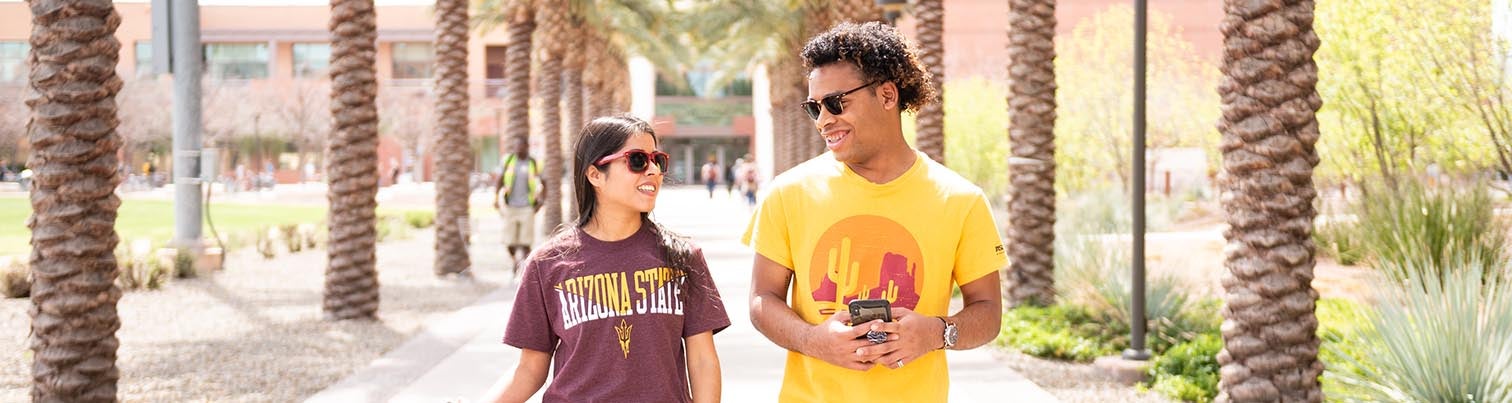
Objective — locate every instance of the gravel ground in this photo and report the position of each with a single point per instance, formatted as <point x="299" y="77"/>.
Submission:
<point x="254" y="332"/>
<point x="1071" y="382"/>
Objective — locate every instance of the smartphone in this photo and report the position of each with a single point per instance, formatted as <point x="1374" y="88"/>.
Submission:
<point x="867" y="310"/>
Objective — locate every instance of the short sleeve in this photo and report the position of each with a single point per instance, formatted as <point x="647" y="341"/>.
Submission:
<point x="703" y="311"/>
<point x="981" y="250"/>
<point x="529" y="325"/>
<point x="767" y="232"/>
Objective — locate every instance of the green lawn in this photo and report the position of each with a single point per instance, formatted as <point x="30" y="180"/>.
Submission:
<point x="153" y="219"/>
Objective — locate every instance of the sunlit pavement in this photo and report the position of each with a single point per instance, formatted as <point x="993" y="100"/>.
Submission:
<point x="460" y="357"/>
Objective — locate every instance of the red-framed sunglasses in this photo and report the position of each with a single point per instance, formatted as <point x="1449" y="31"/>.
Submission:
<point x="638" y="160"/>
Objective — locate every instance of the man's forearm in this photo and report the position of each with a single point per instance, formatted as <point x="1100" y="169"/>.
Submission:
<point x="978" y="323"/>
<point x="774" y="319"/>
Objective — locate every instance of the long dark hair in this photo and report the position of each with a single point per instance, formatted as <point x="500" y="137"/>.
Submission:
<point x="599" y="138"/>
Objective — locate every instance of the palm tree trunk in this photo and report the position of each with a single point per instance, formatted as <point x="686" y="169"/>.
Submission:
<point x="552" y="27"/>
<point x="572" y="119"/>
<point x="1269" y="129"/>
<point x="73" y="152"/>
<point x="351" y="286"/>
<point x="930" y="133"/>
<point x="857" y="11"/>
<point x="1030" y="278"/>
<point x="517" y="77"/>
<point x="454" y="164"/>
<point x="549" y="89"/>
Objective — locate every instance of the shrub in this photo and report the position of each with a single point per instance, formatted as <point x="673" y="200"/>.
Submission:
<point x="291" y="237"/>
<point x="420" y="219"/>
<point x="1063" y="332"/>
<point x="267" y="242"/>
<point x="1188" y="371"/>
<point x="311" y="234"/>
<point x="183" y="264"/>
<point x="1434" y="229"/>
<point x="1340" y="241"/>
<point x="138" y="268"/>
<point x="15" y="279"/>
<point x="1441" y="334"/>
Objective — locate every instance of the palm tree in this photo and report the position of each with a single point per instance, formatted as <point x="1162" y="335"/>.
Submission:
<point x="351" y="288"/>
<point x="454" y="162"/>
<point x="552" y="19"/>
<point x="73" y="151"/>
<point x="520" y="19"/>
<point x="1269" y="128"/>
<point x="1030" y="278"/>
<point x="930" y="133"/>
<point x="572" y="107"/>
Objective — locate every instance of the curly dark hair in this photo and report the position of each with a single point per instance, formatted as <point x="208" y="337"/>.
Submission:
<point x="880" y="53"/>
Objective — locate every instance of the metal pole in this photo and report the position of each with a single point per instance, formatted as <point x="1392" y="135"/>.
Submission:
<point x="1137" y="321"/>
<point x="187" y="214"/>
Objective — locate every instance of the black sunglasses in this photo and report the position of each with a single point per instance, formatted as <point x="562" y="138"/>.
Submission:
<point x="638" y="160"/>
<point x="831" y="102"/>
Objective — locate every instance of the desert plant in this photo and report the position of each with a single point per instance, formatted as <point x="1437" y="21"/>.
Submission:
<point x="139" y="268"/>
<point x="1412" y="225"/>
<point x="420" y="219"/>
<point x="291" y="237"/>
<point x="15" y="279"/>
<point x="267" y="242"/>
<point x="183" y="264"/>
<point x="1437" y="335"/>
<point x="1339" y="240"/>
<point x="310" y="234"/>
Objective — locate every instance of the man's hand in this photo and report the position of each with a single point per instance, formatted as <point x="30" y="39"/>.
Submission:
<point x="842" y="345"/>
<point x="911" y="335"/>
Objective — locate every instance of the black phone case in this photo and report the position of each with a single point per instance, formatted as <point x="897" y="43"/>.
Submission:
<point x="870" y="305"/>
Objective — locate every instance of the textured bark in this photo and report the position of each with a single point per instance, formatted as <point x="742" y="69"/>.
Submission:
<point x="351" y="286"/>
<point x="73" y="152"/>
<point x="1030" y="278"/>
<point x="785" y="101"/>
<point x="551" y="27"/>
<point x="1269" y="128"/>
<point x="517" y="77"/>
<point x="930" y="126"/>
<point x="572" y="117"/>
<point x="454" y="153"/>
<point x="857" y="11"/>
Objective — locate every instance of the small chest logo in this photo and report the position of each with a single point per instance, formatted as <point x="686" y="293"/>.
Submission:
<point x="622" y="331"/>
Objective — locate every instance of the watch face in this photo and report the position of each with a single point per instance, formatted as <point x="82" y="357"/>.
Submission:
<point x="950" y="335"/>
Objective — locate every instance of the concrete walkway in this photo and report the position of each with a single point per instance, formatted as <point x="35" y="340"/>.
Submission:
<point x="460" y="358"/>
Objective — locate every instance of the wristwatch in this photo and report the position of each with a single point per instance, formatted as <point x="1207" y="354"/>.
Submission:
<point x="950" y="334"/>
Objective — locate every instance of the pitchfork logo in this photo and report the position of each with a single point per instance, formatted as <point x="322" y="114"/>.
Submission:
<point x="623" y="332"/>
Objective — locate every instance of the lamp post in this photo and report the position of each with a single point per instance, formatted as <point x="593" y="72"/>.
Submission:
<point x="892" y="9"/>
<point x="1138" y="321"/>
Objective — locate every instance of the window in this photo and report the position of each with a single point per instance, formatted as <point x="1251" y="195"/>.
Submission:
<point x="311" y="60"/>
<point x="236" y="61"/>
<point x="413" y="60"/>
<point x="13" y="61"/>
<point x="143" y="58"/>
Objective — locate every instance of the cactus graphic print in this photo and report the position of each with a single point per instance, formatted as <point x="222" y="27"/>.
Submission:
<point x="866" y="256"/>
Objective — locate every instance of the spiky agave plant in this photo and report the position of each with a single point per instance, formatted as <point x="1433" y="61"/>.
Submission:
<point x="1434" y="336"/>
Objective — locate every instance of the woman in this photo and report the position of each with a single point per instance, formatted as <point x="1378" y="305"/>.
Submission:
<point x="614" y="300"/>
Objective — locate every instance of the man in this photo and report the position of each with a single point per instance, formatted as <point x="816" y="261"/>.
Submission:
<point x="847" y="225"/>
<point x="711" y="175"/>
<point x="518" y="195"/>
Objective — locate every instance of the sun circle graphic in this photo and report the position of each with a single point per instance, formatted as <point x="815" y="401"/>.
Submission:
<point x="866" y="256"/>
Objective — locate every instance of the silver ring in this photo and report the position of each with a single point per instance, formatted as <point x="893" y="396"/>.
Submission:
<point x="900" y="363"/>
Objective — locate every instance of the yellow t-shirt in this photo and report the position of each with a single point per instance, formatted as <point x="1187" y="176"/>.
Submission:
<point x="908" y="240"/>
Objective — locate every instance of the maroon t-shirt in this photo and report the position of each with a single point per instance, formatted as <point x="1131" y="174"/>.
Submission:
<point x="614" y="316"/>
